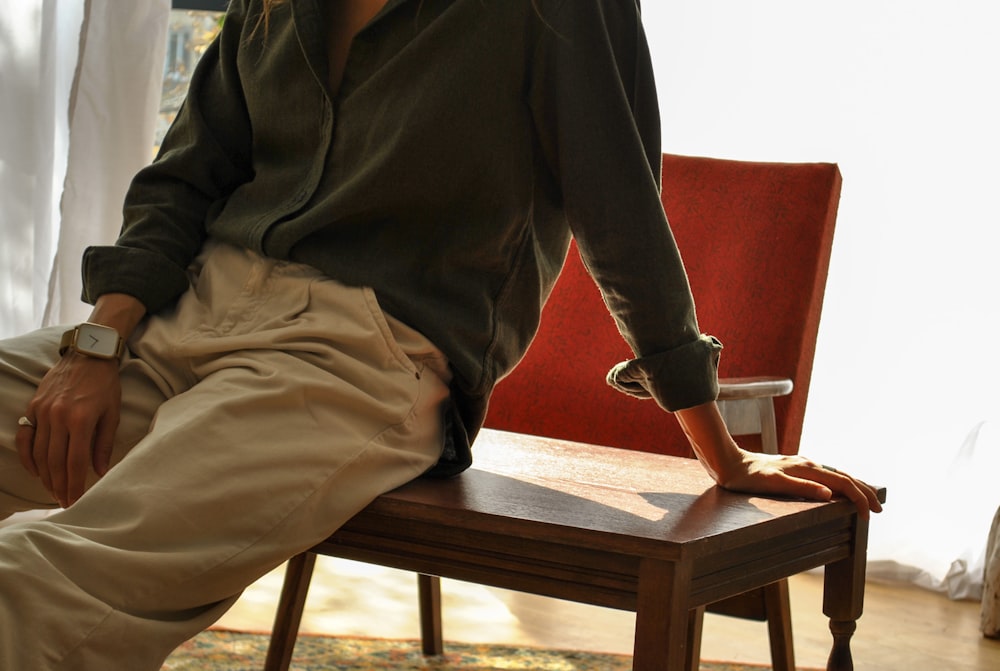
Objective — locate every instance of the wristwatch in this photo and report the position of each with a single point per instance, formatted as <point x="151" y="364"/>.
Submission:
<point x="96" y="340"/>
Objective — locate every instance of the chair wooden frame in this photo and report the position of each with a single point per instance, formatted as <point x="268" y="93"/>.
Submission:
<point x="656" y="536"/>
<point x="747" y="405"/>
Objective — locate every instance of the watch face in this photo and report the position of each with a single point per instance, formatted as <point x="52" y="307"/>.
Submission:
<point x="98" y="340"/>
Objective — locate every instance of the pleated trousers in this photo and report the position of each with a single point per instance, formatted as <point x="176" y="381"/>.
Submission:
<point x="258" y="415"/>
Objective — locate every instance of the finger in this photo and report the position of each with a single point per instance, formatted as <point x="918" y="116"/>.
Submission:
<point x="873" y="499"/>
<point x="104" y="441"/>
<point x="78" y="463"/>
<point x="850" y="488"/>
<point x="805" y="488"/>
<point x="40" y="453"/>
<point x="862" y="494"/>
<point x="55" y="463"/>
<point x="24" y="442"/>
<point x="782" y="483"/>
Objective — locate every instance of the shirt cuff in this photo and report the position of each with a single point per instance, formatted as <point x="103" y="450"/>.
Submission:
<point x="148" y="276"/>
<point x="677" y="379"/>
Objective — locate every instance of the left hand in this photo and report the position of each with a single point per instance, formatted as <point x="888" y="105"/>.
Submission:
<point x="797" y="476"/>
<point x="771" y="474"/>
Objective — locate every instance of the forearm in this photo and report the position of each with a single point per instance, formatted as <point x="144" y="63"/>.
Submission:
<point x="711" y="440"/>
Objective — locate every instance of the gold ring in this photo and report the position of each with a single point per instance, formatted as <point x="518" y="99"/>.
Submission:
<point x="24" y="421"/>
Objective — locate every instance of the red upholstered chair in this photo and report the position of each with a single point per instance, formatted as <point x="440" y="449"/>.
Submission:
<point x="756" y="241"/>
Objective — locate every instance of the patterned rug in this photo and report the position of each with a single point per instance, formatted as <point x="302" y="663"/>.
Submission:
<point x="230" y="651"/>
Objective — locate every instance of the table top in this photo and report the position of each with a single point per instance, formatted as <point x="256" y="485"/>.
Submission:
<point x="626" y="500"/>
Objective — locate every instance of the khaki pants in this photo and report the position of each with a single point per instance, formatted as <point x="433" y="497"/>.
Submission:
<point x="258" y="416"/>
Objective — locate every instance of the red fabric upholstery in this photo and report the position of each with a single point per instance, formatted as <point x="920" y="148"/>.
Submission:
<point x="756" y="241"/>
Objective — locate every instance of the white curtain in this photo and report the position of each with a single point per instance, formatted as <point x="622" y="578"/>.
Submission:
<point x="80" y="83"/>
<point x="903" y="95"/>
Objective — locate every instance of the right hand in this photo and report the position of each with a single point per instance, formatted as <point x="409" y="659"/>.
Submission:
<point x="76" y="410"/>
<point x="75" y="413"/>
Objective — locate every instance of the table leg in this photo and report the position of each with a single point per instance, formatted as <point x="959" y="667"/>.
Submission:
<point x="661" y="622"/>
<point x="840" y="656"/>
<point x="298" y="573"/>
<point x="696" y="621"/>
<point x="844" y="596"/>
<point x="431" y="626"/>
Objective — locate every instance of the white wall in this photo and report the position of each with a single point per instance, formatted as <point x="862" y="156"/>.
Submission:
<point x="903" y="95"/>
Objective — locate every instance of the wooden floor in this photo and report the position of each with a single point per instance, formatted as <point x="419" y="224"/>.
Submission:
<point x="903" y="629"/>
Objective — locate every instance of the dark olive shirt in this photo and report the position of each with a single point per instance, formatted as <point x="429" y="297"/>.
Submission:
<point x="468" y="141"/>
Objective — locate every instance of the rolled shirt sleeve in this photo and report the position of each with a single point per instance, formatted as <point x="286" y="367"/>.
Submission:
<point x="205" y="154"/>
<point x="146" y="275"/>
<point x="678" y="379"/>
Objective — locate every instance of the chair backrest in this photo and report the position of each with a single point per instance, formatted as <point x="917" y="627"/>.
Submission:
<point x="756" y="240"/>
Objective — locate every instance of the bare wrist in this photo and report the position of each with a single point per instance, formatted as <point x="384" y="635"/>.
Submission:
<point x="710" y="439"/>
<point x="118" y="311"/>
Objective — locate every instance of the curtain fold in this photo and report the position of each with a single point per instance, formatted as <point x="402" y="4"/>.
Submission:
<point x="38" y="52"/>
<point x="81" y="84"/>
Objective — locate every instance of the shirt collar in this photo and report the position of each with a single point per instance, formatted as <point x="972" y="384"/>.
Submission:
<point x="310" y="26"/>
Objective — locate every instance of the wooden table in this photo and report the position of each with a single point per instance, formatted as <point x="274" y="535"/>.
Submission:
<point x="616" y="528"/>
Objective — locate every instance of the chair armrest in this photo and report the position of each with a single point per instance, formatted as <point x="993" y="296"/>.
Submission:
<point x="734" y="388"/>
<point x="747" y="407"/>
